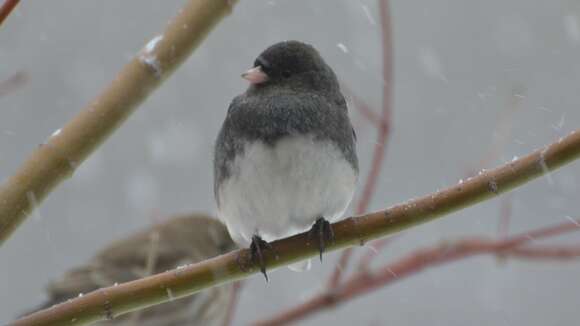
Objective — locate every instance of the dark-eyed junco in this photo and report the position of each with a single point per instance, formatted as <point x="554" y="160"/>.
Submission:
<point x="178" y="241"/>
<point x="285" y="158"/>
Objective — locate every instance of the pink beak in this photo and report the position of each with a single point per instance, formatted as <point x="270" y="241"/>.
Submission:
<point x="255" y="75"/>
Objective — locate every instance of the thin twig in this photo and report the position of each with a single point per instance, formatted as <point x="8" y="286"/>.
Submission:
<point x="361" y="106"/>
<point x="375" y="248"/>
<point x="138" y="294"/>
<point x="418" y="260"/>
<point x="553" y="252"/>
<point x="58" y="158"/>
<point x="384" y="130"/>
<point x="386" y="113"/>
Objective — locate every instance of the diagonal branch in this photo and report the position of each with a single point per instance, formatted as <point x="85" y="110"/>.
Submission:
<point x="57" y="159"/>
<point x="418" y="260"/>
<point x="117" y="300"/>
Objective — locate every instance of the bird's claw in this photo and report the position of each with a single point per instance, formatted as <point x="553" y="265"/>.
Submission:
<point x="257" y="251"/>
<point x="322" y="230"/>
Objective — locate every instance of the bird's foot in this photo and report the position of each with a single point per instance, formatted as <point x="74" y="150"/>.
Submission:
<point x="322" y="231"/>
<point x="257" y="249"/>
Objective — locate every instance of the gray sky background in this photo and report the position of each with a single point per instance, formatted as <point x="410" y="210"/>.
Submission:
<point x="456" y="64"/>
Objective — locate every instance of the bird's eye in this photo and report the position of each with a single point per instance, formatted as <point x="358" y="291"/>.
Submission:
<point x="286" y="73"/>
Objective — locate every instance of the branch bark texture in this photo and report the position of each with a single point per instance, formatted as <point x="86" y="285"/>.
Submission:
<point x="56" y="160"/>
<point x="123" y="298"/>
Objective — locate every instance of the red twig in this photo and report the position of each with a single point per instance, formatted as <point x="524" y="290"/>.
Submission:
<point x="233" y="303"/>
<point x="418" y="260"/>
<point x="6" y="9"/>
<point x="385" y="121"/>
<point x="334" y="279"/>
<point x="384" y="129"/>
<point x="558" y="253"/>
<point x="363" y="108"/>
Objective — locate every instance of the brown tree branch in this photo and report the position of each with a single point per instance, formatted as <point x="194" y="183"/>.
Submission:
<point x="57" y="159"/>
<point x="6" y="9"/>
<point x="418" y="260"/>
<point x="123" y="298"/>
<point x="384" y="129"/>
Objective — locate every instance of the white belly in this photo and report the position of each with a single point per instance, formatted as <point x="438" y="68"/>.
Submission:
<point x="275" y="192"/>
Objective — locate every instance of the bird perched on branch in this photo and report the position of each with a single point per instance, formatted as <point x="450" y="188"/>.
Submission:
<point x="285" y="158"/>
<point x="178" y="241"/>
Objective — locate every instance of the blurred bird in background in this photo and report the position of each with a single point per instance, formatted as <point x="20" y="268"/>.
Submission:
<point x="178" y="241"/>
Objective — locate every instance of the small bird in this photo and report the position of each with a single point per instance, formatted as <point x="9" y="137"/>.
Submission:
<point x="178" y="241"/>
<point x="285" y="159"/>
